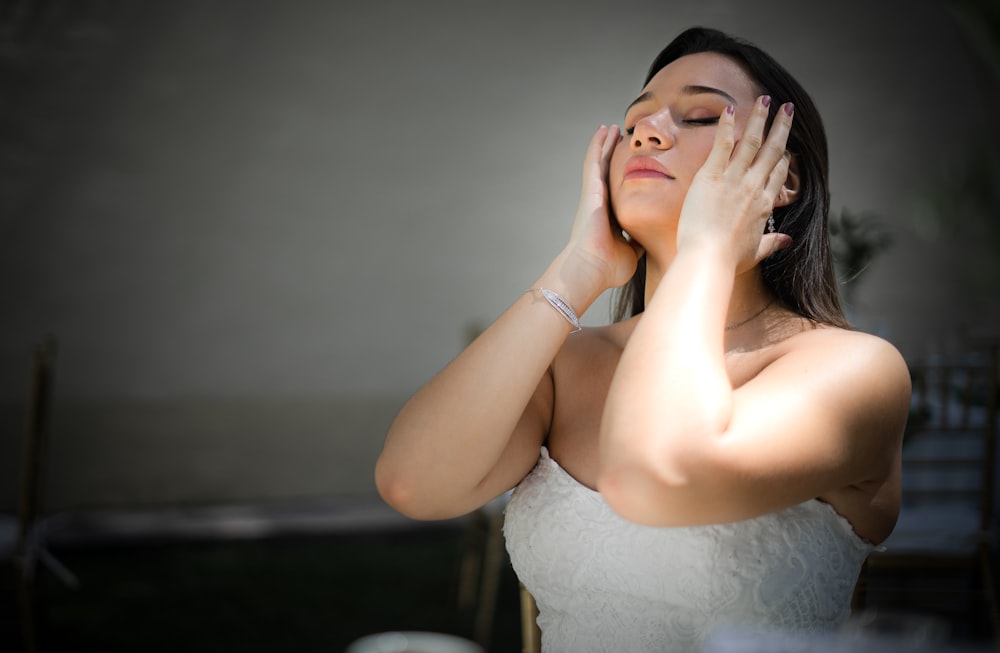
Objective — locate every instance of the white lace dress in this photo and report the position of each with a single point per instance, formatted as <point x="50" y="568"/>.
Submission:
<point x="603" y="584"/>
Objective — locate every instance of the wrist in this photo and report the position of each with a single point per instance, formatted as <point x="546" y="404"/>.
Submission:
<point x="694" y="276"/>
<point x="559" y="303"/>
<point x="576" y="278"/>
<point x="708" y="252"/>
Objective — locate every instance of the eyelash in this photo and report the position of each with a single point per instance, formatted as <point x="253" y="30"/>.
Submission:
<point x="698" y="122"/>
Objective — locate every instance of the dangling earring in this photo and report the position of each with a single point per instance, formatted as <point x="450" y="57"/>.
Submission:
<point x="770" y="224"/>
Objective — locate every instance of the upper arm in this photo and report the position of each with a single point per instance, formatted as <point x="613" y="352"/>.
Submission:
<point x="522" y="450"/>
<point x="469" y="470"/>
<point x="815" y="421"/>
<point x="819" y="418"/>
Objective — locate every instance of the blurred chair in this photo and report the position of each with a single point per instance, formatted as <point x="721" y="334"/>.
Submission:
<point x="483" y="557"/>
<point x="946" y="523"/>
<point x="29" y="532"/>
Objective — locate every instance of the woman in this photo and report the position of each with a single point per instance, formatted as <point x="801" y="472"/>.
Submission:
<point x="726" y="455"/>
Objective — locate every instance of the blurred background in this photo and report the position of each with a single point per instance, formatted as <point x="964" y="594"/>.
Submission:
<point x="254" y="228"/>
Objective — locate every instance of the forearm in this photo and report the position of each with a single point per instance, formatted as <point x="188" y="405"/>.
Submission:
<point x="454" y="430"/>
<point x="671" y="395"/>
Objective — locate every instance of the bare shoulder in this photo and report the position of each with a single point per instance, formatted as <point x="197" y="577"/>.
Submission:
<point x="855" y="366"/>
<point x="585" y="365"/>
<point x="847" y="348"/>
<point x="859" y="387"/>
<point x="607" y="340"/>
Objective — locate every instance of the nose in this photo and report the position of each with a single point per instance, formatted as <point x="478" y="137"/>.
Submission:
<point x="653" y="131"/>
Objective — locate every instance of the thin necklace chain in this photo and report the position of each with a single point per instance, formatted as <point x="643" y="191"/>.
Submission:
<point x="730" y="327"/>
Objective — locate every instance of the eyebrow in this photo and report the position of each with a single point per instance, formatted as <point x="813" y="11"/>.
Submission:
<point x="691" y="89"/>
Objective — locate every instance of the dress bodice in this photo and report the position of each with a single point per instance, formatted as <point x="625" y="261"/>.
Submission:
<point x="602" y="583"/>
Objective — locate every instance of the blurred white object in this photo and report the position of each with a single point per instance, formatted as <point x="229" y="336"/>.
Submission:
<point x="866" y="632"/>
<point x="413" y="642"/>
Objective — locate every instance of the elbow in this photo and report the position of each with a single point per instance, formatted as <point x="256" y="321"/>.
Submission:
<point x="397" y="491"/>
<point x="642" y="494"/>
<point x="652" y="475"/>
<point x="396" y="483"/>
<point x="403" y="495"/>
<point x="615" y="485"/>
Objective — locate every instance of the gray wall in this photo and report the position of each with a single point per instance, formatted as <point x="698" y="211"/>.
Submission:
<point x="255" y="228"/>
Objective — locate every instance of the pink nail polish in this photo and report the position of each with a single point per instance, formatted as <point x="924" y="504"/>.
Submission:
<point x="789" y="109"/>
<point x="730" y="109"/>
<point x="765" y="101"/>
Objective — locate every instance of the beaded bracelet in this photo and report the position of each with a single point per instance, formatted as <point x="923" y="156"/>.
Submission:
<point x="560" y="305"/>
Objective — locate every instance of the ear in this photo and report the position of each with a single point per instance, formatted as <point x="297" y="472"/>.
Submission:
<point x="790" y="189"/>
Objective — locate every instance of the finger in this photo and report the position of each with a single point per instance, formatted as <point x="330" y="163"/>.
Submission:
<point x="725" y="140"/>
<point x="595" y="146"/>
<point x="771" y="243"/>
<point x="777" y="177"/>
<point x="611" y="141"/>
<point x="592" y="160"/>
<point x="774" y="148"/>
<point x="753" y="135"/>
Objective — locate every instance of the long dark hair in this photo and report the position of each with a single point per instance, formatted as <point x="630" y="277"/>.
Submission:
<point x="801" y="276"/>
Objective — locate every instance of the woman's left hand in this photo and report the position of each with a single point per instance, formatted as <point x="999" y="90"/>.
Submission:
<point x="734" y="192"/>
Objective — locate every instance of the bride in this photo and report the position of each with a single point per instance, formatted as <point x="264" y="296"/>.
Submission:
<point x="727" y="451"/>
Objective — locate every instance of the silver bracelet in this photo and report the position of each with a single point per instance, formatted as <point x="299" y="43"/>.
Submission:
<point x="560" y="305"/>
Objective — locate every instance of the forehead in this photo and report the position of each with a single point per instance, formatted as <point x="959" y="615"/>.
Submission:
<point x="704" y="69"/>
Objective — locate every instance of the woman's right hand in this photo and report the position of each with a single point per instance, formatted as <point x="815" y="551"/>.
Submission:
<point x="596" y="237"/>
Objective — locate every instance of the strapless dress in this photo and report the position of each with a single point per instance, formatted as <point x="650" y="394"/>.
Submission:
<point x="603" y="584"/>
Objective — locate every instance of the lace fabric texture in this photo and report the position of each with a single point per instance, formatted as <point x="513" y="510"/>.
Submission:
<point x="605" y="584"/>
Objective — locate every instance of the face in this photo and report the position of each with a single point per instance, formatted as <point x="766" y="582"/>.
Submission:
<point x="668" y="133"/>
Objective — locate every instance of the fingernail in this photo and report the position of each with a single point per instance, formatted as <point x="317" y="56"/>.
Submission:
<point x="789" y="109"/>
<point x="730" y="109"/>
<point x="765" y="101"/>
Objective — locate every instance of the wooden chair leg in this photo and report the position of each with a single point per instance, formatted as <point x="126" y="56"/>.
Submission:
<point x="858" y="598"/>
<point x="531" y="636"/>
<point x="990" y="594"/>
<point x="32" y="478"/>
<point x="490" y="580"/>
<point x="472" y="560"/>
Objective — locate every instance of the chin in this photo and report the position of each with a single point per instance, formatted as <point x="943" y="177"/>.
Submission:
<point x="640" y="218"/>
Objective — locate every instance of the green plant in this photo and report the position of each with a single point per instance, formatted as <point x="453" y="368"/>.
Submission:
<point x="856" y="239"/>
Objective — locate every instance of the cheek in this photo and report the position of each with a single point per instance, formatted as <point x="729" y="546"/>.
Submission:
<point x="698" y="152"/>
<point x="616" y="170"/>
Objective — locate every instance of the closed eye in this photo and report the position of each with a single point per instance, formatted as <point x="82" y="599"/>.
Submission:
<point x="698" y="122"/>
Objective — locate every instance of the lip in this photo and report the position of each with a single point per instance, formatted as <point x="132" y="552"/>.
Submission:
<point x="645" y="167"/>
